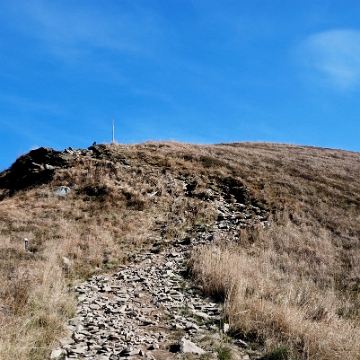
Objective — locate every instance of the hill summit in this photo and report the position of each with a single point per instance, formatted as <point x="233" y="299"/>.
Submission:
<point x="243" y="250"/>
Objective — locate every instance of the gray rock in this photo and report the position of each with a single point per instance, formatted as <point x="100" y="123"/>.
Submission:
<point x="49" y="167"/>
<point x="62" y="191"/>
<point x="201" y="314"/>
<point x="66" y="341"/>
<point x="226" y="328"/>
<point x="187" y="346"/>
<point x="145" y="262"/>
<point x="56" y="353"/>
<point x="80" y="349"/>
<point x="66" y="264"/>
<point x="107" y="288"/>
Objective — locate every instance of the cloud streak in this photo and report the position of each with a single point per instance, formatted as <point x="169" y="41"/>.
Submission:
<point x="70" y="30"/>
<point x="332" y="58"/>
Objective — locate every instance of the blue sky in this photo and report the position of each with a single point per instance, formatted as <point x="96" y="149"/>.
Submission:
<point x="200" y="71"/>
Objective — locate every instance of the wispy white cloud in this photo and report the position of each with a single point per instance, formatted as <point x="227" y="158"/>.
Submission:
<point x="332" y="58"/>
<point x="70" y="29"/>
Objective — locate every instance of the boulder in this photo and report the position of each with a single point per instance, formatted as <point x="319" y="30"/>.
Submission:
<point x="187" y="346"/>
<point x="62" y="191"/>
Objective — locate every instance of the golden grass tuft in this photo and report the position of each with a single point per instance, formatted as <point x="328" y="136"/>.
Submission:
<point x="282" y="291"/>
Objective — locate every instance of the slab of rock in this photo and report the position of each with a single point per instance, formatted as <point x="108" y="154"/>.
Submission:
<point x="62" y="191"/>
<point x="187" y="346"/>
<point x="49" y="167"/>
<point x="56" y="353"/>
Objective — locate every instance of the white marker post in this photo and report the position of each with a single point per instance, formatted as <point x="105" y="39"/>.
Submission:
<point x="26" y="244"/>
<point x="113" y="131"/>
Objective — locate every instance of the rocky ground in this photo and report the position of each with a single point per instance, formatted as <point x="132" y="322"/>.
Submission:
<point x="150" y="309"/>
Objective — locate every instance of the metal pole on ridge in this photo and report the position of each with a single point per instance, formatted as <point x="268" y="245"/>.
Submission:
<point x="113" y="130"/>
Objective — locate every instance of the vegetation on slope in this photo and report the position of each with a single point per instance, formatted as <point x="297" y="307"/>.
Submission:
<point x="294" y="285"/>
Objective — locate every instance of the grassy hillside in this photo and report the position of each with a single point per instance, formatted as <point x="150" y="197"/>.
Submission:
<point x="293" y="285"/>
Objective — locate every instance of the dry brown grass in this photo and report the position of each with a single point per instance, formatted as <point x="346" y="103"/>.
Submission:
<point x="295" y="284"/>
<point x="282" y="290"/>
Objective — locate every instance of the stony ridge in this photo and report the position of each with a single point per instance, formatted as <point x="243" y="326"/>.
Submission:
<point x="150" y="309"/>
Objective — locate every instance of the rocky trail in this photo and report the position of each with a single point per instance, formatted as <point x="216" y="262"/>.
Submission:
<point x="150" y="309"/>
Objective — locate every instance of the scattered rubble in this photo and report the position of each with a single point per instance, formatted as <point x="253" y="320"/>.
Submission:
<point x="149" y="310"/>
